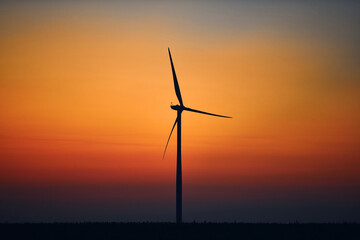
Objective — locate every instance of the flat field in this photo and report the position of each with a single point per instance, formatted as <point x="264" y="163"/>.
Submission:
<point x="148" y="230"/>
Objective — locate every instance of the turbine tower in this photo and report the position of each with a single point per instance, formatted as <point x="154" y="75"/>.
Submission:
<point x="180" y="108"/>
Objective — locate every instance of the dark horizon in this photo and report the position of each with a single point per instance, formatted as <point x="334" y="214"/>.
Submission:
<point x="180" y="231"/>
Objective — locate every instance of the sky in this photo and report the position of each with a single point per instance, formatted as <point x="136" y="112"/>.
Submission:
<point x="85" y="95"/>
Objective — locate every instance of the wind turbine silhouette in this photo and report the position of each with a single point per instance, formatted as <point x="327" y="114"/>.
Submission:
<point x="180" y="108"/>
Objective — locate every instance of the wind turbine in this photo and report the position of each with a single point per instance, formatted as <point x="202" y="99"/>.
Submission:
<point x="180" y="108"/>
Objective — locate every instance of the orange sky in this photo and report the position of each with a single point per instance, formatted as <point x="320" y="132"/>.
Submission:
<point x="85" y="101"/>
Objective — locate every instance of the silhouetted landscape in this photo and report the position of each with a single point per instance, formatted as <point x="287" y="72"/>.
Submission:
<point x="183" y="231"/>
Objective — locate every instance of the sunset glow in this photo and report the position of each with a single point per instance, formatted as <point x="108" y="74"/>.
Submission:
<point x="85" y="93"/>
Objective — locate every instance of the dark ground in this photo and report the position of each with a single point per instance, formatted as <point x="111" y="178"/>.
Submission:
<point x="184" y="231"/>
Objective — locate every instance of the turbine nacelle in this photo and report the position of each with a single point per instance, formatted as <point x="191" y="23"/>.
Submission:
<point x="177" y="107"/>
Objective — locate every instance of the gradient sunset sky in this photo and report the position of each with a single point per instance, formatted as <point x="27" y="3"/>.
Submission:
<point x="85" y="94"/>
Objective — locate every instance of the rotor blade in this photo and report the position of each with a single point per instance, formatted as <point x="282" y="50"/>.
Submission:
<point x="176" y="84"/>
<point x="169" y="137"/>
<point x="197" y="111"/>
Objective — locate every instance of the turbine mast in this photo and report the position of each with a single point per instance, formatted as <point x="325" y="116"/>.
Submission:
<point x="178" y="172"/>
